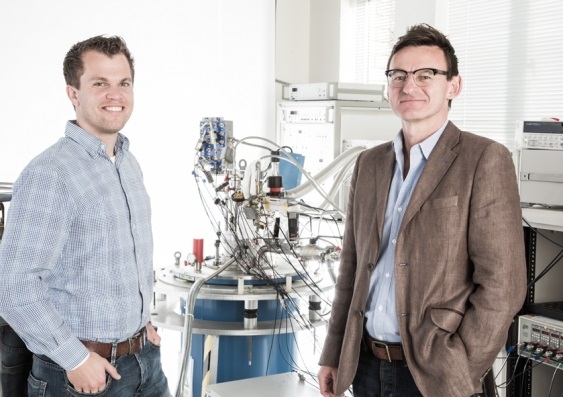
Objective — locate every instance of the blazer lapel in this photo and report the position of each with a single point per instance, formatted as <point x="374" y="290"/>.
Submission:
<point x="383" y="172"/>
<point x="439" y="162"/>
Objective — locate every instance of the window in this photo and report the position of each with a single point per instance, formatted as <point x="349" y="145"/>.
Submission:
<point x="511" y="61"/>
<point x="367" y="39"/>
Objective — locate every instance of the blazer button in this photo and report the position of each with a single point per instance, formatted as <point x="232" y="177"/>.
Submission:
<point x="371" y="266"/>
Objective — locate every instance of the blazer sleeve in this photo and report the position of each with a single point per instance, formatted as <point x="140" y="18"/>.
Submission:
<point x="496" y="250"/>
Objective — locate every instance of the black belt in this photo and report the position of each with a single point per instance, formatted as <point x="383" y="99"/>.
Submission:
<point x="383" y="350"/>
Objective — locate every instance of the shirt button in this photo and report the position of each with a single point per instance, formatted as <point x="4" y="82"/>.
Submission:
<point x="394" y="241"/>
<point x="400" y="209"/>
<point x="380" y="308"/>
<point x="387" y="275"/>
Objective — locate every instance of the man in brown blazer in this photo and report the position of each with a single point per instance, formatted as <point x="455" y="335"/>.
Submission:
<point x="432" y="269"/>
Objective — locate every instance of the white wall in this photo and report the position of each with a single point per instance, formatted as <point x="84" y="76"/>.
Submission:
<point x="307" y="40"/>
<point x="193" y="59"/>
<point x="325" y="41"/>
<point x="412" y="12"/>
<point x="293" y="20"/>
<point x="308" y="35"/>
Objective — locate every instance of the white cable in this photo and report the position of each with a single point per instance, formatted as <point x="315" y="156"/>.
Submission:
<point x="326" y="172"/>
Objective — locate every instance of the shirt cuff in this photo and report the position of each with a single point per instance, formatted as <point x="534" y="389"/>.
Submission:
<point x="70" y="355"/>
<point x="82" y="362"/>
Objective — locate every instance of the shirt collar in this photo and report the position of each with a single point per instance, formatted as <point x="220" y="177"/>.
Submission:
<point x="426" y="146"/>
<point x="91" y="143"/>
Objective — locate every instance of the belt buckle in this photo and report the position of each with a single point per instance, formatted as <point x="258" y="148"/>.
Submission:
<point x="381" y="344"/>
<point x="113" y="355"/>
<point x="130" y="340"/>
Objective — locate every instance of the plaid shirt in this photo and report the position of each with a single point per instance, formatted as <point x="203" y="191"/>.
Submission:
<point x="76" y="255"/>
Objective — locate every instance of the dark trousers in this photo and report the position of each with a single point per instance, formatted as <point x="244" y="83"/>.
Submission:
<point x="16" y="364"/>
<point x="381" y="378"/>
<point x="141" y="376"/>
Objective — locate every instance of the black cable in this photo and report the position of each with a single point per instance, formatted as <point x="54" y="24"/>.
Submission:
<point x="541" y="234"/>
<point x="305" y="271"/>
<point x="557" y="258"/>
<point x="523" y="372"/>
<point x="290" y="362"/>
<point x="272" y="342"/>
<point x="290" y="331"/>
<point x="508" y="353"/>
<point x="238" y="243"/>
<point x="550" y="266"/>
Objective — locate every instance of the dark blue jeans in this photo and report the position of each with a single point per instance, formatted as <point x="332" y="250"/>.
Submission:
<point x="381" y="378"/>
<point x="141" y="376"/>
<point x="16" y="364"/>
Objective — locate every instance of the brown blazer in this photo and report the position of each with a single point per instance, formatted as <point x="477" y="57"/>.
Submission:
<point x="459" y="263"/>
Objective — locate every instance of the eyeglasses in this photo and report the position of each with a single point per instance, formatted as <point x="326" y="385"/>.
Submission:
<point x="422" y="77"/>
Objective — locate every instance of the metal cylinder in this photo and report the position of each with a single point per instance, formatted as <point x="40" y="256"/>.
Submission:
<point x="314" y="308"/>
<point x="250" y="314"/>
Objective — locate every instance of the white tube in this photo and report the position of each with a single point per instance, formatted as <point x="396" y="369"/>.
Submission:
<point x="326" y="172"/>
<point x="189" y="323"/>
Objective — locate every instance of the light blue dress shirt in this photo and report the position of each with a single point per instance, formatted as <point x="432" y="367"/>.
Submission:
<point x="381" y="310"/>
<point x="76" y="256"/>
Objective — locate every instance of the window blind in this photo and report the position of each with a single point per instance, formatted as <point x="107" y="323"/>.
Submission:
<point x="510" y="58"/>
<point x="371" y="23"/>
